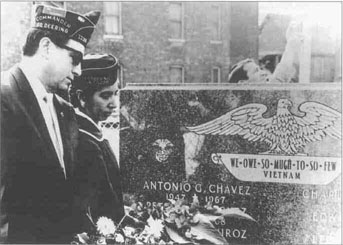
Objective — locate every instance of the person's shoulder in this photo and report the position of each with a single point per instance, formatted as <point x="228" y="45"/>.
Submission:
<point x="9" y="85"/>
<point x="88" y="131"/>
<point x="88" y="143"/>
<point x="10" y="79"/>
<point x="90" y="138"/>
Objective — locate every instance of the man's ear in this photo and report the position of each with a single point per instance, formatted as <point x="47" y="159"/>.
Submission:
<point x="45" y="47"/>
<point x="80" y="96"/>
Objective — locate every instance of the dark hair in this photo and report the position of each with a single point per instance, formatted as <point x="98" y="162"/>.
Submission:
<point x="35" y="35"/>
<point x="239" y="74"/>
<point x="237" y="71"/>
<point x="87" y="93"/>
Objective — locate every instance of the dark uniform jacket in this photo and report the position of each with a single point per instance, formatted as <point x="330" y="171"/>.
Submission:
<point x="98" y="183"/>
<point x="35" y="197"/>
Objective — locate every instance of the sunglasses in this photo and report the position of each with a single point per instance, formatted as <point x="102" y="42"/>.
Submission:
<point x="76" y="56"/>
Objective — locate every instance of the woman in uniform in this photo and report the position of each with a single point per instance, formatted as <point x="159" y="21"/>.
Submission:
<point x="97" y="177"/>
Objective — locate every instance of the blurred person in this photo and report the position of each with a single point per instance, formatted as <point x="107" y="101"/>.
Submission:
<point x="97" y="182"/>
<point x="39" y="129"/>
<point x="287" y="71"/>
<point x="247" y="71"/>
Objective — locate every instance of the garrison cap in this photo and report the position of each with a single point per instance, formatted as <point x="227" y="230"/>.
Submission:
<point x="98" y="70"/>
<point x="73" y="26"/>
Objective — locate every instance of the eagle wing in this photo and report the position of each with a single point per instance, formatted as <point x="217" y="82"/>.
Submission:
<point x="319" y="121"/>
<point x="246" y="121"/>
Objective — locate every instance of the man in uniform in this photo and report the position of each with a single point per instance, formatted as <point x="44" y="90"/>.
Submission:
<point x="39" y="131"/>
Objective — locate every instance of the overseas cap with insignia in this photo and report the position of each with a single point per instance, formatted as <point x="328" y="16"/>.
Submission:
<point x="98" y="70"/>
<point x="74" y="26"/>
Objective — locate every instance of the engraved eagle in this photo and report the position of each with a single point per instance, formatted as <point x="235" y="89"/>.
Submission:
<point x="285" y="133"/>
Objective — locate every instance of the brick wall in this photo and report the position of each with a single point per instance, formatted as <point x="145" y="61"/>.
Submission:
<point x="244" y="31"/>
<point x="145" y="52"/>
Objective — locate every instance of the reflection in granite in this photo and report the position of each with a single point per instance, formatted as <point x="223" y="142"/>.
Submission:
<point x="160" y="159"/>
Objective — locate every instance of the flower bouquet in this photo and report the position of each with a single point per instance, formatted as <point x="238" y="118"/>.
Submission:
<point x="174" y="221"/>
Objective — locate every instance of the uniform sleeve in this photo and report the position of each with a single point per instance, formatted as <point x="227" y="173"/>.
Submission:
<point x="88" y="177"/>
<point x="6" y="142"/>
<point x="3" y="209"/>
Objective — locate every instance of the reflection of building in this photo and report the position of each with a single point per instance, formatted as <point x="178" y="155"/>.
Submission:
<point x="272" y="39"/>
<point x="182" y="42"/>
<point x="325" y="55"/>
<point x="174" y="42"/>
<point x="324" y="52"/>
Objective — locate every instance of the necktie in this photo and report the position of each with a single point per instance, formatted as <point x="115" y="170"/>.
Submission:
<point x="53" y="130"/>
